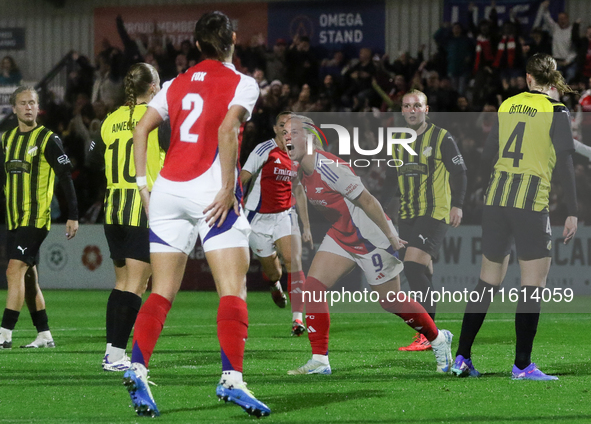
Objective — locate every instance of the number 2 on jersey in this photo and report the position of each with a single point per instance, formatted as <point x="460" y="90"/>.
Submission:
<point x="194" y="103"/>
<point x="517" y="137"/>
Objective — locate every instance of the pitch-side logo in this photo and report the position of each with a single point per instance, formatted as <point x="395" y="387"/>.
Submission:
<point x="344" y="140"/>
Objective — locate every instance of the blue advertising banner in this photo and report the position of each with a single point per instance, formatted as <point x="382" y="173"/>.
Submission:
<point x="330" y="26"/>
<point x="525" y="11"/>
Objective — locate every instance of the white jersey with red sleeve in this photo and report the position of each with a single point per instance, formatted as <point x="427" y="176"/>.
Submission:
<point x="271" y="187"/>
<point x="331" y="188"/>
<point x="196" y="103"/>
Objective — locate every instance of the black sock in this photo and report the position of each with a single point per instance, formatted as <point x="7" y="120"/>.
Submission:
<point x="112" y="303"/>
<point x="126" y="313"/>
<point x="416" y="274"/>
<point x="40" y="320"/>
<point x="526" y="325"/>
<point x="9" y="319"/>
<point x="474" y="317"/>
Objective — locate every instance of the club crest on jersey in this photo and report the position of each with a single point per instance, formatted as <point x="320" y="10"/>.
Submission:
<point x="319" y="189"/>
<point x="198" y="76"/>
<point x="33" y="151"/>
<point x="428" y="151"/>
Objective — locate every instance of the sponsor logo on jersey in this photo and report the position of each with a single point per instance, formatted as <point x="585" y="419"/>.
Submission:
<point x="198" y="76"/>
<point x="63" y="160"/>
<point x="458" y="160"/>
<point x="17" y="166"/>
<point x="318" y="202"/>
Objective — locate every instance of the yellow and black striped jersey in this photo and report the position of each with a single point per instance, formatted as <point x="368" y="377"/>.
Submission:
<point x="532" y="129"/>
<point x="423" y="180"/>
<point x="122" y="199"/>
<point x="31" y="161"/>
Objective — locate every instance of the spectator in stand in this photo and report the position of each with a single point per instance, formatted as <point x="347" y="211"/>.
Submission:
<point x="330" y="91"/>
<point x="259" y="77"/>
<point x="108" y="86"/>
<point x="304" y="103"/>
<point x="272" y="101"/>
<point x="333" y="67"/>
<point x="563" y="49"/>
<point x="487" y="37"/>
<point x="252" y="56"/>
<point x="433" y="93"/>
<point x="509" y="58"/>
<point x="405" y="64"/>
<point x="302" y="66"/>
<point x="80" y="77"/>
<point x="583" y="45"/>
<point x="359" y="80"/>
<point x="9" y="73"/>
<point x="276" y="61"/>
<point x="539" y="43"/>
<point x="460" y="55"/>
<point x="181" y="64"/>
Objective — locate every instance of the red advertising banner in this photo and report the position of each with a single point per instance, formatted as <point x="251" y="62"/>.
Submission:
<point x="153" y="24"/>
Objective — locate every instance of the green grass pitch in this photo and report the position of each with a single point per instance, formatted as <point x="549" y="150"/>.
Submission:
<point x="372" y="381"/>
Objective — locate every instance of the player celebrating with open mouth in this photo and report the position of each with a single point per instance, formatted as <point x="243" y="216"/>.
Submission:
<point x="361" y="235"/>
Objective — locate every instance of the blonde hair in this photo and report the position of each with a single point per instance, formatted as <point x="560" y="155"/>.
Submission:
<point x="542" y="68"/>
<point x="137" y="82"/>
<point x="306" y="120"/>
<point x="22" y="89"/>
<point x="418" y="93"/>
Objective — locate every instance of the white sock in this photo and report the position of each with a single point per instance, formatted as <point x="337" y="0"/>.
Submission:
<point x="297" y="315"/>
<point x="439" y="339"/>
<point x="6" y="334"/>
<point x="115" y="353"/>
<point x="44" y="335"/>
<point x="321" y="358"/>
<point x="231" y="376"/>
<point x="108" y="347"/>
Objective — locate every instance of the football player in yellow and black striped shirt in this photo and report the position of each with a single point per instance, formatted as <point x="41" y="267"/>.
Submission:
<point x="432" y="186"/>
<point x="531" y="139"/>
<point x="126" y="224"/>
<point x="33" y="156"/>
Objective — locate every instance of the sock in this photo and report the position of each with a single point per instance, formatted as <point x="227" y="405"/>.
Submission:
<point x="44" y="335"/>
<point x="232" y="331"/>
<point x="115" y="354"/>
<point x="295" y="286"/>
<point x="125" y="315"/>
<point x="321" y="358"/>
<point x="40" y="320"/>
<point x="9" y="319"/>
<point x="297" y="315"/>
<point x="474" y="317"/>
<point x="112" y="303"/>
<point x="416" y="274"/>
<point x="414" y="315"/>
<point x="231" y="376"/>
<point x="526" y="325"/>
<point x="317" y="316"/>
<point x="6" y="334"/>
<point x="149" y="323"/>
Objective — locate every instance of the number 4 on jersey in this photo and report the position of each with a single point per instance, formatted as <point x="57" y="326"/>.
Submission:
<point x="517" y="137"/>
<point x="194" y="103"/>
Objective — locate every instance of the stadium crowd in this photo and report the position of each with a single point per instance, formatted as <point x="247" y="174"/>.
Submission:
<point x="471" y="72"/>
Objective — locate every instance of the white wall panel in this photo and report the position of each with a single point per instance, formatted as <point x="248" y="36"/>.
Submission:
<point x="411" y="23"/>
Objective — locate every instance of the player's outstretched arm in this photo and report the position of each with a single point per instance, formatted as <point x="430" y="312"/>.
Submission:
<point x="148" y="123"/>
<point x="302" y="209"/>
<point x="228" y="151"/>
<point x="374" y="211"/>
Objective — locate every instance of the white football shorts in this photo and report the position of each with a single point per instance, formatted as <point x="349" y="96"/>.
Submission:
<point x="267" y="228"/>
<point x="177" y="220"/>
<point x="378" y="265"/>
